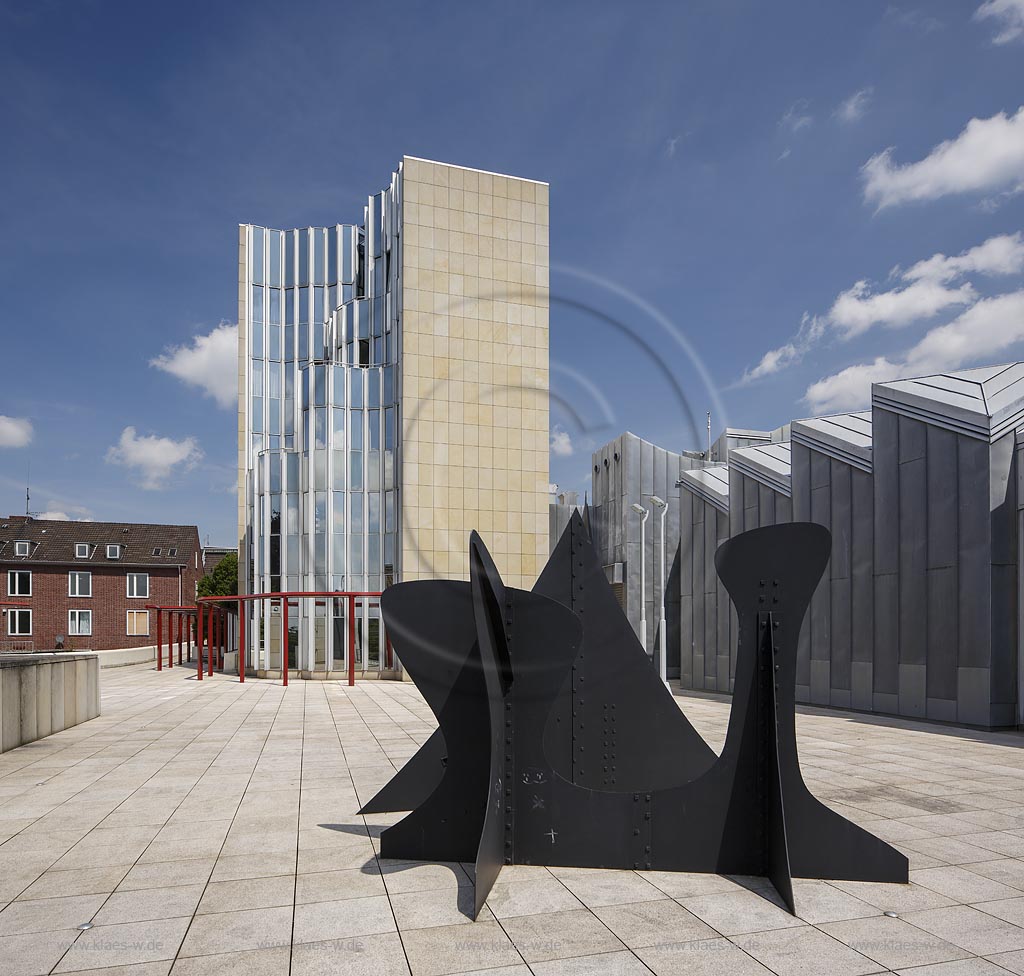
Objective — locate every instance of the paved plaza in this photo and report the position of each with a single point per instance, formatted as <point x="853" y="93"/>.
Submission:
<point x="212" y="828"/>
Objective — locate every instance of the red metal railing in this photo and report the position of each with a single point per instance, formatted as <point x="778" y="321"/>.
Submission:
<point x="239" y="599"/>
<point x="181" y="613"/>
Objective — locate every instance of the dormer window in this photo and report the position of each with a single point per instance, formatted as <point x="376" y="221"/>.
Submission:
<point x="113" y="552"/>
<point x="172" y="552"/>
<point x="81" y="550"/>
<point x="157" y="552"/>
<point x="20" y="548"/>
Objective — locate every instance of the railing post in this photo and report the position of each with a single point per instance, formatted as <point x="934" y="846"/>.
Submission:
<point x="159" y="640"/>
<point x="199" y="642"/>
<point x="181" y="618"/>
<point x="284" y="632"/>
<point x="351" y="641"/>
<point x="284" y="666"/>
<point x="209" y="639"/>
<point x="241" y="641"/>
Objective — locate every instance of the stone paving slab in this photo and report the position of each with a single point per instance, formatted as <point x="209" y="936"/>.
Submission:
<point x="213" y="828"/>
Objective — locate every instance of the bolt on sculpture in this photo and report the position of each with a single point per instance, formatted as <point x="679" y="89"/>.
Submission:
<point x="557" y="744"/>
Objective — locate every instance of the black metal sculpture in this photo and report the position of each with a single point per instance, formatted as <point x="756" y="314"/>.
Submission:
<point x="659" y="745"/>
<point x="559" y="745"/>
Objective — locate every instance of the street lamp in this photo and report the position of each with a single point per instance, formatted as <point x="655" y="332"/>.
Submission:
<point x="643" y="513"/>
<point x="662" y="663"/>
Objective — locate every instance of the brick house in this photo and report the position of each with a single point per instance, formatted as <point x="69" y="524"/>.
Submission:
<point x="90" y="582"/>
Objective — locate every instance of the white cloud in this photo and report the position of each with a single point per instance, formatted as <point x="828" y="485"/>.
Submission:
<point x="15" y="431"/>
<point x="986" y="157"/>
<point x="811" y="329"/>
<point x="915" y="19"/>
<point x="858" y="309"/>
<point x="854" y="108"/>
<point x="561" y="443"/>
<point x="985" y="331"/>
<point x="1009" y="15"/>
<point x="154" y="459"/>
<point x="209" y="362"/>
<point x="927" y="290"/>
<point x="58" y="516"/>
<point x="850" y="388"/>
<point x="797" y="116"/>
<point x="1000" y="255"/>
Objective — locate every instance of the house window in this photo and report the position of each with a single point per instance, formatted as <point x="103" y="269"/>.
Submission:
<point x="19" y="623"/>
<point x="156" y="552"/>
<point x="20" y="548"/>
<point x="172" y="552"/>
<point x="138" y="623"/>
<point x="113" y="552"/>
<point x="79" y="584"/>
<point x="19" y="583"/>
<point x="138" y="584"/>
<point x="81" y="550"/>
<point x="80" y="623"/>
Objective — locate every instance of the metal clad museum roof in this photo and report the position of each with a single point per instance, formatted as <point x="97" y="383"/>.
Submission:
<point x="984" y="403"/>
<point x="845" y="436"/>
<point x="769" y="464"/>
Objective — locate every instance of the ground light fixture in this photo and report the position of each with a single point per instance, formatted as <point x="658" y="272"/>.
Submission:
<point x="643" y="513"/>
<point x="661" y="505"/>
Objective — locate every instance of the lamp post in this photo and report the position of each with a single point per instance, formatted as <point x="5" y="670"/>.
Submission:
<point x="662" y="662"/>
<point x="643" y="513"/>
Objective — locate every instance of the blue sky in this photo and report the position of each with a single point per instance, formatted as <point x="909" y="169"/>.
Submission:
<point x="755" y="208"/>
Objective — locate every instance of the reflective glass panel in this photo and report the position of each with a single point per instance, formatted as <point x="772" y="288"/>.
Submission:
<point x="372" y="429"/>
<point x="257" y="254"/>
<point x="319" y="257"/>
<point x="355" y="555"/>
<point x="356" y="512"/>
<point x="303" y="244"/>
<point x="275" y="257"/>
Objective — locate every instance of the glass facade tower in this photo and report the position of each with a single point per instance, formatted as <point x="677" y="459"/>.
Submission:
<point x="321" y="429"/>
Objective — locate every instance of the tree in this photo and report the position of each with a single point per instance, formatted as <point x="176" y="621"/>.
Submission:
<point x="223" y="581"/>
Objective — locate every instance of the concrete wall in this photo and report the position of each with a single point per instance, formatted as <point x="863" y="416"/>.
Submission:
<point x="45" y="693"/>
<point x="474" y="371"/>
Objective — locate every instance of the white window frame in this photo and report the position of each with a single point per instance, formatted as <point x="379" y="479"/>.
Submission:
<point x="128" y="587"/>
<point x="80" y="615"/>
<point x="71" y="576"/>
<point x="116" y="548"/>
<point x="81" y="550"/>
<point x="11" y="574"/>
<point x="13" y="614"/>
<point x="21" y="548"/>
<point x="128" y="627"/>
